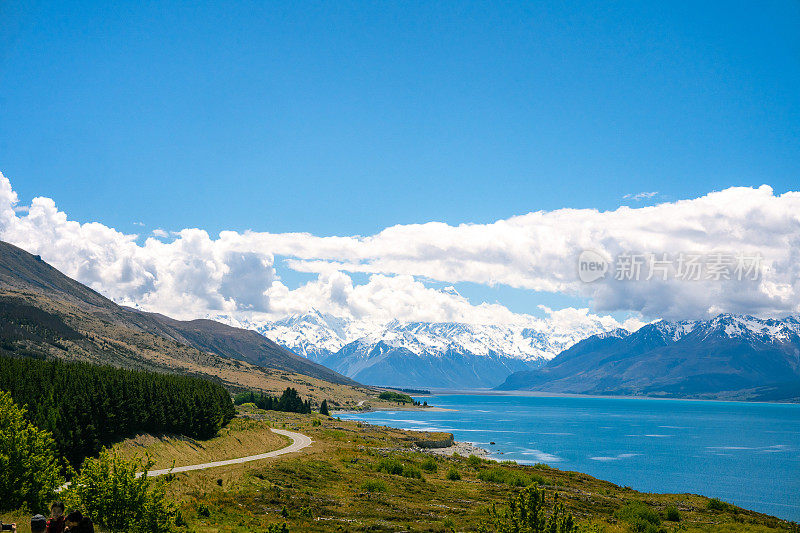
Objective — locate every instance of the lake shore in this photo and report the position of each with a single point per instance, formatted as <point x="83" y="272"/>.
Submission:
<point x="369" y="409"/>
<point x="652" y="445"/>
<point x="465" y="449"/>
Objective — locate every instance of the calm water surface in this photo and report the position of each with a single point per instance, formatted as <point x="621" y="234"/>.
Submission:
<point x="744" y="453"/>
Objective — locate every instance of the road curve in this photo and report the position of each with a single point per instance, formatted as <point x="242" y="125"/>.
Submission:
<point x="299" y="441"/>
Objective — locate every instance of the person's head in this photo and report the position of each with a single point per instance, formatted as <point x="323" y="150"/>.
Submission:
<point x="38" y="524"/>
<point x="73" y="519"/>
<point x="57" y="509"/>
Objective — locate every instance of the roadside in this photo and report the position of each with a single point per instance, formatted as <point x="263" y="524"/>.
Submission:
<point x="358" y="477"/>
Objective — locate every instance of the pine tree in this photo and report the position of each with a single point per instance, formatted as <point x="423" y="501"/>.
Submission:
<point x="323" y="409"/>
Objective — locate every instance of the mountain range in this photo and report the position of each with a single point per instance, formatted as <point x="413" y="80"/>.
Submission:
<point x="727" y="357"/>
<point x="422" y="354"/>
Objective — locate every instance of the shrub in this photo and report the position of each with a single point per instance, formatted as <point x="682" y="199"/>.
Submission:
<point x="672" y="514"/>
<point x="453" y="474"/>
<point x="315" y="423"/>
<point x="501" y="475"/>
<point x="715" y="504"/>
<point x="474" y="460"/>
<point x="429" y="465"/>
<point x="373" y="485"/>
<point x="276" y="528"/>
<point x="108" y="490"/>
<point x="640" y="517"/>
<point x="527" y="508"/>
<point x="29" y="469"/>
<point x="390" y="465"/>
<point x="412" y="472"/>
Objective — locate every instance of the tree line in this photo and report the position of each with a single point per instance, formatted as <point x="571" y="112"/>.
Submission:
<point x="87" y="406"/>
<point x="290" y="401"/>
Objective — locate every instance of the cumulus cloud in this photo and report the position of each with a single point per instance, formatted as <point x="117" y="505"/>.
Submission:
<point x="195" y="274"/>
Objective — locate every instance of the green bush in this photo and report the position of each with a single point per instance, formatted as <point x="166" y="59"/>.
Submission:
<point x="393" y="466"/>
<point x="474" y="460"/>
<point x="429" y="464"/>
<point x="29" y="469"/>
<point x="390" y="465"/>
<point x="527" y="509"/>
<point x="501" y="475"/>
<point x="640" y="517"/>
<point x="278" y="528"/>
<point x="412" y="472"/>
<point x="672" y="514"/>
<point x="373" y="485"/>
<point x="715" y="504"/>
<point x="108" y="490"/>
<point x="453" y="474"/>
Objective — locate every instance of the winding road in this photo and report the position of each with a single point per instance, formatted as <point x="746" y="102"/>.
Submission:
<point x="299" y="441"/>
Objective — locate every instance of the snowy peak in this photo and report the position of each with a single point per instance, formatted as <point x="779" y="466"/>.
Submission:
<point x="726" y="357"/>
<point x="740" y="327"/>
<point x="749" y="328"/>
<point x="318" y="335"/>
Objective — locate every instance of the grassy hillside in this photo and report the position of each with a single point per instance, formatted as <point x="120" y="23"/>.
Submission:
<point x="45" y="314"/>
<point x="357" y="477"/>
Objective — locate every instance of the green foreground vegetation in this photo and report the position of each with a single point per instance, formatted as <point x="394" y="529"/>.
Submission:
<point x="290" y="401"/>
<point x="354" y="477"/>
<point x="357" y="477"/>
<point x="86" y="406"/>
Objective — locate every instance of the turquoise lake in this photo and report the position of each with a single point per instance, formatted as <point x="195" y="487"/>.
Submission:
<point x="744" y="453"/>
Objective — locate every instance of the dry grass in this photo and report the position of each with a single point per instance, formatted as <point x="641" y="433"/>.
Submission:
<point x="242" y="437"/>
<point x="322" y="488"/>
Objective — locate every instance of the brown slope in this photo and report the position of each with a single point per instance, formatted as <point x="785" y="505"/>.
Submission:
<point x="39" y="284"/>
<point x="212" y="336"/>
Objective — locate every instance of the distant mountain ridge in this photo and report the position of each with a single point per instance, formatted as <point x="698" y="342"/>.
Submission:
<point x="421" y="354"/>
<point x="727" y="357"/>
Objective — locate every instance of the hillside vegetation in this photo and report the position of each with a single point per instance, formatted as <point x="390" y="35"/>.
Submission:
<point x="86" y="406"/>
<point x="45" y="314"/>
<point x="357" y="477"/>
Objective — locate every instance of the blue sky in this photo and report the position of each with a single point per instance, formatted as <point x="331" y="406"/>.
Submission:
<point x="343" y="118"/>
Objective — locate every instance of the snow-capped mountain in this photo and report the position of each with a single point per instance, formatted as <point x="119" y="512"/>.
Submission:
<point x="423" y="354"/>
<point x="729" y="356"/>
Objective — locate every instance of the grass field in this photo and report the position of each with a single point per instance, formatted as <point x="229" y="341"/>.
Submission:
<point x="358" y="477"/>
<point x="242" y="437"/>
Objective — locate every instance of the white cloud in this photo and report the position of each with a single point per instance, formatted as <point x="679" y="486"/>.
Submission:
<point x="234" y="273"/>
<point x="160" y="233"/>
<point x="639" y="196"/>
